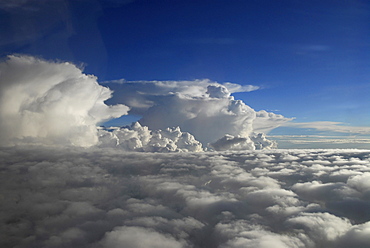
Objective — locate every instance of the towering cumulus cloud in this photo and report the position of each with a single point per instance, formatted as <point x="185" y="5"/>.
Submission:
<point x="51" y="102"/>
<point x="203" y="108"/>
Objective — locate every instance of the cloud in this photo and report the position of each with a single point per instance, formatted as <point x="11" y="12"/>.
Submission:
<point x="322" y="228"/>
<point x="229" y="142"/>
<point x="329" y="126"/>
<point x="139" y="238"/>
<point x="51" y="102"/>
<point x="138" y="138"/>
<point x="244" y="234"/>
<point x="329" y="142"/>
<point x="357" y="236"/>
<point x="203" y="108"/>
<point x="266" y="121"/>
<point x="103" y="197"/>
<point x="253" y="142"/>
<point x="55" y="103"/>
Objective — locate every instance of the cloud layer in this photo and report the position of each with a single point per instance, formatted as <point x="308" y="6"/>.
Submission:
<point x="51" y="102"/>
<point x="105" y="198"/>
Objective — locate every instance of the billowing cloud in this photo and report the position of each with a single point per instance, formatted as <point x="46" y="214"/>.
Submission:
<point x="138" y="138"/>
<point x="252" y="142"/>
<point x="138" y="237"/>
<point x="51" y="102"/>
<point x="203" y="108"/>
<point x="56" y="103"/>
<point x="103" y="197"/>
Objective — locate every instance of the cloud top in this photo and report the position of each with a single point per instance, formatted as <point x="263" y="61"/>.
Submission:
<point x="108" y="198"/>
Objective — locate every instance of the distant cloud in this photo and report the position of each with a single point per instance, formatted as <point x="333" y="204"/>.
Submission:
<point x="103" y="197"/>
<point x="322" y="141"/>
<point x="203" y="108"/>
<point x="330" y="126"/>
<point x="252" y="142"/>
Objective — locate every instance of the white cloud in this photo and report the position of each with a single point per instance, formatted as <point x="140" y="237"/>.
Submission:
<point x="229" y="142"/>
<point x="360" y="182"/>
<point x="138" y="138"/>
<point x="322" y="228"/>
<point x="138" y="237"/>
<point x="203" y="108"/>
<point x="266" y="121"/>
<point x="329" y="126"/>
<point x="344" y="141"/>
<point x="329" y="135"/>
<point x="52" y="102"/>
<point x="244" y="234"/>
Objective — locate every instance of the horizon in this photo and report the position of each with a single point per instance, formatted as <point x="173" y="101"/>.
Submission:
<point x="184" y="124"/>
<point x="306" y="61"/>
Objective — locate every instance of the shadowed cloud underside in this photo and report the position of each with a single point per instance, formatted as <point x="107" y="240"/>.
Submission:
<point x="106" y="198"/>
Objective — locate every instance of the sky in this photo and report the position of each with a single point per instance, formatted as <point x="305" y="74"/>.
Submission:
<point x="307" y="60"/>
<point x="177" y="124"/>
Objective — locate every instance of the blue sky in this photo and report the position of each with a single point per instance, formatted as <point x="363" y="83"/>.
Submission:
<point x="311" y="59"/>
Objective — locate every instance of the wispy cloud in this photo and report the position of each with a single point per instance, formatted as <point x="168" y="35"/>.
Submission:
<point x="298" y="139"/>
<point x="330" y="126"/>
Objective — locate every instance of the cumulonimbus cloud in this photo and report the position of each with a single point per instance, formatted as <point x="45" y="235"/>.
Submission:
<point x="204" y="108"/>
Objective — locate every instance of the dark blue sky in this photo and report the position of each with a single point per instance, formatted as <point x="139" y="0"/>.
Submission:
<point x="311" y="58"/>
